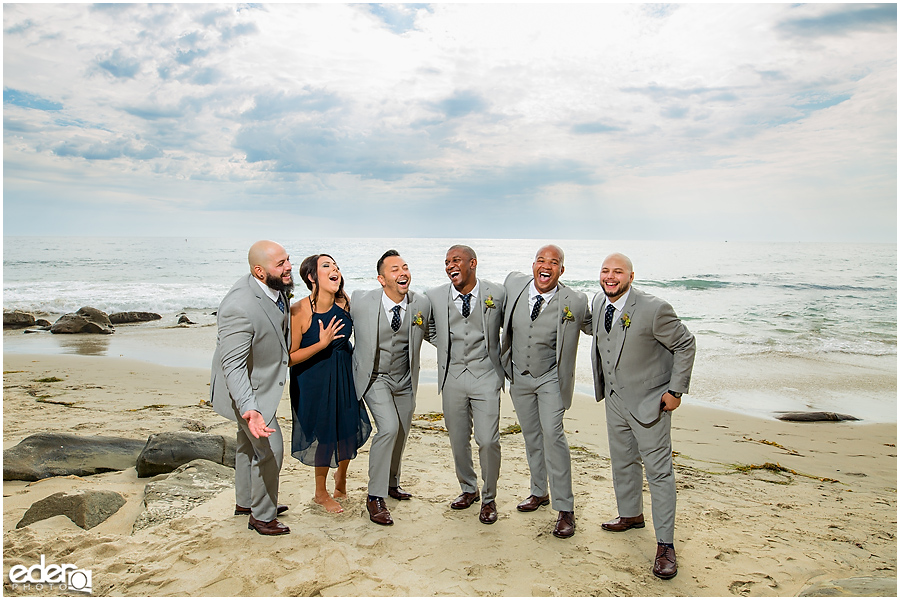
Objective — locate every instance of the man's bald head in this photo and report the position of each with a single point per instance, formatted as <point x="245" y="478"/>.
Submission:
<point x="270" y="263"/>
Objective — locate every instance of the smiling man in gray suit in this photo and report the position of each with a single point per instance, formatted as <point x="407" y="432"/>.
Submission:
<point x="248" y="371"/>
<point x="465" y="329"/>
<point x="390" y="324"/>
<point x="540" y="339"/>
<point x="642" y="357"/>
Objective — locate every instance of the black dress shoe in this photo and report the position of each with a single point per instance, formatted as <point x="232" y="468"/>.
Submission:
<point x="624" y="523"/>
<point x="465" y="500"/>
<point x="397" y="493"/>
<point x="665" y="566"/>
<point x="565" y="524"/>
<point x="533" y="503"/>
<point x="378" y="511"/>
<point x="273" y="527"/>
<point x="240" y="510"/>
<point x="488" y="514"/>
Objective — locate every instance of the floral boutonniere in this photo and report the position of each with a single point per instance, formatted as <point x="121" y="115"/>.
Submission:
<point x="567" y="315"/>
<point x="418" y="319"/>
<point x="489" y="302"/>
<point x="626" y="321"/>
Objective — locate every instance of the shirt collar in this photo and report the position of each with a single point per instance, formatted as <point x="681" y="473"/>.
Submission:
<point x="620" y="303"/>
<point x="389" y="304"/>
<point x="533" y="292"/>
<point x="272" y="294"/>
<point x="454" y="293"/>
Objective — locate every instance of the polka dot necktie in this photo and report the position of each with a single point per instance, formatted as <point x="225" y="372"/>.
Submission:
<point x="466" y="307"/>
<point x="537" y="307"/>
<point x="280" y="304"/>
<point x="608" y="319"/>
<point x="395" y="320"/>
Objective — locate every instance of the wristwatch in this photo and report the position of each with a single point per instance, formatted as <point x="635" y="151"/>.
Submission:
<point x="676" y="394"/>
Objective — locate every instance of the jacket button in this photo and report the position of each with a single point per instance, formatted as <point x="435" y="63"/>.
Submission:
<point x="281" y="383"/>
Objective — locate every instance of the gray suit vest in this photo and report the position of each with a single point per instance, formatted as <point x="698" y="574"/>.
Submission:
<point x="534" y="342"/>
<point x="392" y="357"/>
<point x="607" y="344"/>
<point x="468" y="348"/>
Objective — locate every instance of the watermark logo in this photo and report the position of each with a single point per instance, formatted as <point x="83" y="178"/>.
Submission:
<point x="42" y="577"/>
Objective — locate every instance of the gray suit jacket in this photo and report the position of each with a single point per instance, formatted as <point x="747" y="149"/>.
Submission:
<point x="492" y="319"/>
<point x="655" y="353"/>
<point x="364" y="310"/>
<point x="249" y="364"/>
<point x="567" y="331"/>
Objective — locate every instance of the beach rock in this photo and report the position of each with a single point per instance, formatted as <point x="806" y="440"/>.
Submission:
<point x="184" y="320"/>
<point x="86" y="508"/>
<point x="17" y="319"/>
<point x="854" y="586"/>
<point x="133" y="317"/>
<point x="42" y="323"/>
<point x="186" y="487"/>
<point x="165" y="452"/>
<point x="86" y="320"/>
<point x="814" y="416"/>
<point x="45" y="455"/>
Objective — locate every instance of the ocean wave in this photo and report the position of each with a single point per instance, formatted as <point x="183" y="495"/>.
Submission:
<point x="64" y="297"/>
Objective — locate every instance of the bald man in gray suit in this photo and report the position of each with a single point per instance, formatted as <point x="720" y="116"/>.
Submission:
<point x="642" y="357"/>
<point x="249" y="367"/>
<point x="543" y="320"/>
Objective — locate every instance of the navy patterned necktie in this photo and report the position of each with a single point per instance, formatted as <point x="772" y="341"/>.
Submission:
<point x="537" y="307"/>
<point x="466" y="307"/>
<point x="395" y="320"/>
<point x="608" y="319"/>
<point x="280" y="304"/>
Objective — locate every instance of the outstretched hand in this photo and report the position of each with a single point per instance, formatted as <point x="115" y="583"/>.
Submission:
<point x="257" y="424"/>
<point x="330" y="333"/>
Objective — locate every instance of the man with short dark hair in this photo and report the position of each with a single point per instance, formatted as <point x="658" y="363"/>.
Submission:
<point x="389" y="324"/>
<point x="249" y="367"/>
<point x="465" y="329"/>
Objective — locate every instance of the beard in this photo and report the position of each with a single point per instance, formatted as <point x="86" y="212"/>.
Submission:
<point x="618" y="291"/>
<point x="277" y="284"/>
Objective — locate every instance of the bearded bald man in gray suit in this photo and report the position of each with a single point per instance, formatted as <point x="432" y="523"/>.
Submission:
<point x="466" y="315"/>
<point x="543" y="319"/>
<point x="642" y="357"/>
<point x="389" y="325"/>
<point x="249" y="367"/>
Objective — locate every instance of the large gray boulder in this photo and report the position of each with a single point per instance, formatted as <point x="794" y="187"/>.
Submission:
<point x="167" y="451"/>
<point x="133" y="317"/>
<point x="86" y="320"/>
<point x="45" y="455"/>
<point x="187" y="486"/>
<point x="86" y="508"/>
<point x="17" y="319"/>
<point x="853" y="586"/>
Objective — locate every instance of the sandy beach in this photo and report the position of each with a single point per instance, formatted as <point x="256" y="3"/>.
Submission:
<point x="824" y="509"/>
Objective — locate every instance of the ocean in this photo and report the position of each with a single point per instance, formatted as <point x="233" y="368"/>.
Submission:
<point x="826" y="312"/>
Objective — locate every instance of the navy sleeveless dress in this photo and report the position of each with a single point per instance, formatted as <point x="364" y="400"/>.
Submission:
<point x="330" y="422"/>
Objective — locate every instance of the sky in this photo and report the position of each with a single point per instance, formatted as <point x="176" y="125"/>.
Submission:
<point x="739" y="122"/>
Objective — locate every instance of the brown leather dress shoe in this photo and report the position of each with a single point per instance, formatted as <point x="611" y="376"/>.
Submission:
<point x="240" y="510"/>
<point x="273" y="527"/>
<point x="397" y="493"/>
<point x="465" y="500"/>
<point x="624" y="523"/>
<point x="533" y="503"/>
<point x="488" y="514"/>
<point x="565" y="524"/>
<point x="665" y="566"/>
<point x="378" y="512"/>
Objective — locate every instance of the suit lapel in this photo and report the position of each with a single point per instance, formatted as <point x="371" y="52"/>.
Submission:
<point x="562" y="295"/>
<point x="628" y="310"/>
<point x="275" y="316"/>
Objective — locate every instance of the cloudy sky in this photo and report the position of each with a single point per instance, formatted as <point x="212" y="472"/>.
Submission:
<point x="631" y="121"/>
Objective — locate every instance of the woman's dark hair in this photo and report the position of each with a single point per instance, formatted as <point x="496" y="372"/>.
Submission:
<point x="309" y="269"/>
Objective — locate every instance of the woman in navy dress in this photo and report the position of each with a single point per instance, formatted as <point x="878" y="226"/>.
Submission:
<point x="330" y="423"/>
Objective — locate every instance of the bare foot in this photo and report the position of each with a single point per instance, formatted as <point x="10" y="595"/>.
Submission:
<point x="340" y="486"/>
<point x="328" y="503"/>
